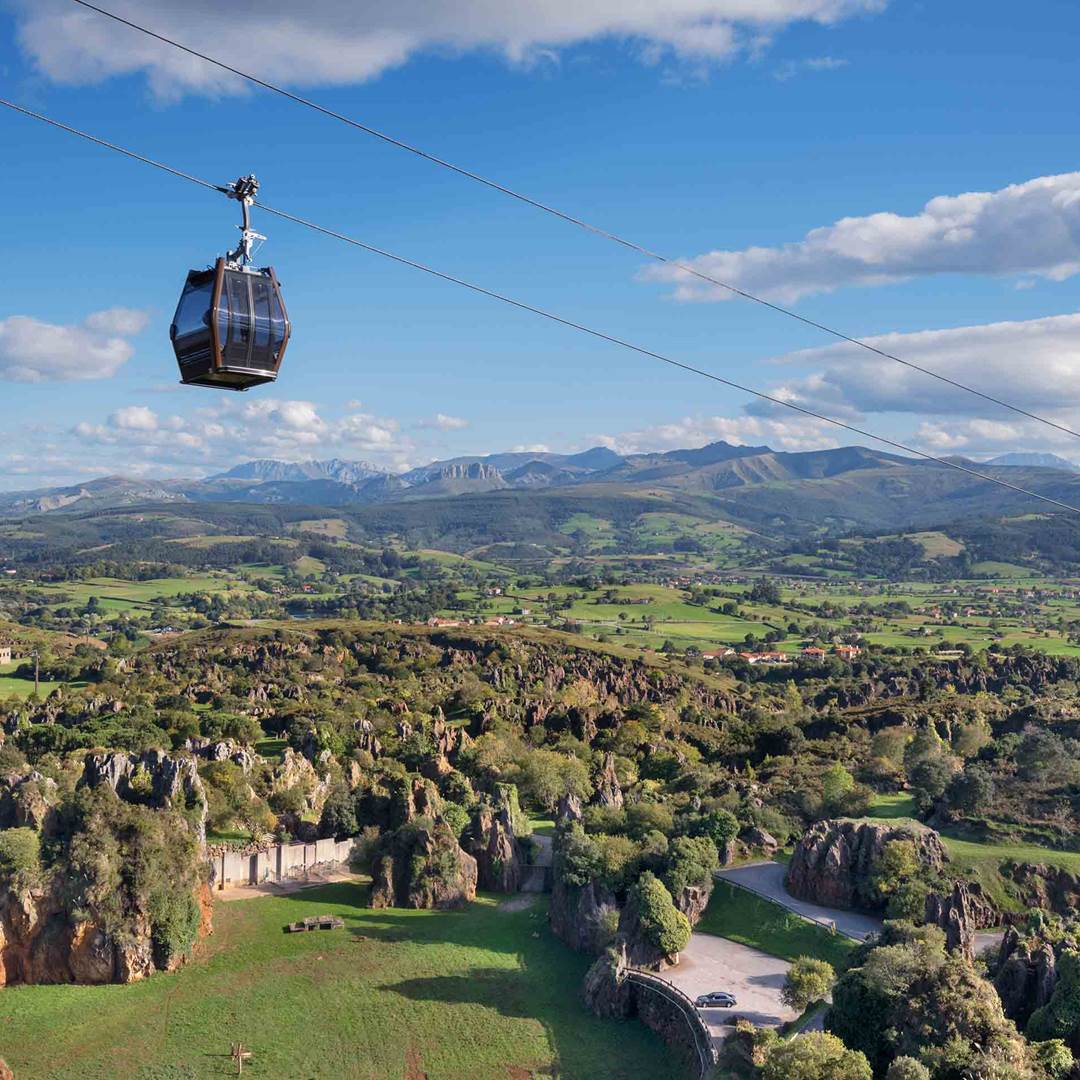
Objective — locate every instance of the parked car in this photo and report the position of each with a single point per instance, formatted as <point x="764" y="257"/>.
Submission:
<point x="718" y="999"/>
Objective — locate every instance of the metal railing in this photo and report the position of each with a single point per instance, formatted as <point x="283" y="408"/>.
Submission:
<point x="703" y="1041"/>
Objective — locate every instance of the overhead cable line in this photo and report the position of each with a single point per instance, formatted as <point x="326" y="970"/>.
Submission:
<point x="537" y="204"/>
<point x="542" y="312"/>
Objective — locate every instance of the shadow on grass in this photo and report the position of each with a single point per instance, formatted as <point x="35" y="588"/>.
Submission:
<point x="541" y="983"/>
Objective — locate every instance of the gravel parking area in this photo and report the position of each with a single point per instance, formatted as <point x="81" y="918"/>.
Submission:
<point x="755" y="978"/>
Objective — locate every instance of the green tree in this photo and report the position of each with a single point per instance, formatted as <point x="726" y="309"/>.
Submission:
<point x="338" y="813"/>
<point x="544" y="776"/>
<point x="1055" y="1059"/>
<point x="907" y="1068"/>
<point x="662" y="923"/>
<point x="899" y="863"/>
<point x="836" y="784"/>
<point x="808" y="980"/>
<point x="816" y="1055"/>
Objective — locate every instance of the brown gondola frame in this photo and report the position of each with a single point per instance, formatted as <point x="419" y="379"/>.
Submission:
<point x="220" y="367"/>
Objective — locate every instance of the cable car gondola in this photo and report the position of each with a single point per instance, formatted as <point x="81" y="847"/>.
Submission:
<point x="230" y="328"/>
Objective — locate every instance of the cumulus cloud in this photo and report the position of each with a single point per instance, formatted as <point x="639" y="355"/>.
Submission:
<point x="339" y="42"/>
<point x="1026" y="229"/>
<point x="218" y="435"/>
<point x="1032" y="364"/>
<point x="783" y="433"/>
<point x="442" y="422"/>
<point x="34" y="351"/>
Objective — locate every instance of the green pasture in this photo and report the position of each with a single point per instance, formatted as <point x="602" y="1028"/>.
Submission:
<point x="478" y="994"/>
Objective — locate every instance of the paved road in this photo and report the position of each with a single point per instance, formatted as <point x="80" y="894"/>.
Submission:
<point x="767" y="878"/>
<point x="755" y="978"/>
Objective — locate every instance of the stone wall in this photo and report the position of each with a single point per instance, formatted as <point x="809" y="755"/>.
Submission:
<point x="230" y="867"/>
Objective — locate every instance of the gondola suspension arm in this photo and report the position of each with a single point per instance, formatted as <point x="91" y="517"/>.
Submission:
<point x="244" y="190"/>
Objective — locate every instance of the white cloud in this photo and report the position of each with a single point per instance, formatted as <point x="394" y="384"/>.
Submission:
<point x="790" y="68"/>
<point x="218" y="435"/>
<point x="442" y="422"/>
<point x="134" y="418"/>
<point x="796" y="433"/>
<point x="34" y="351"/>
<point x="1031" y="228"/>
<point x="1033" y="364"/>
<point x="339" y="42"/>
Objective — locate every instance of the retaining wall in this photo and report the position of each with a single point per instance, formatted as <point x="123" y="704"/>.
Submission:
<point x="279" y="862"/>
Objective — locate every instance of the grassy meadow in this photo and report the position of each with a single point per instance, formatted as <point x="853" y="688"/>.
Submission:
<point x="478" y="994"/>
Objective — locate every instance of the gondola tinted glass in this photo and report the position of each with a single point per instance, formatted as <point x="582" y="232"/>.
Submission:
<point x="230" y="329"/>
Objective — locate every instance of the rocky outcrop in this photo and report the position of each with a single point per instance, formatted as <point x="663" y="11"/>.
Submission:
<point x="224" y="750"/>
<point x="27" y="801"/>
<point x="760" y="840"/>
<point x="1051" y="888"/>
<point x="1025" y="977"/>
<point x="422" y="868"/>
<point x="491" y="842"/>
<point x="835" y="861"/>
<point x="692" y="900"/>
<point x="296" y="771"/>
<point x="568" y="810"/>
<point x="960" y="913"/>
<point x="154" y="778"/>
<point x="608" y="790"/>
<point x="607" y="992"/>
<point x="584" y="916"/>
<point x="43" y="941"/>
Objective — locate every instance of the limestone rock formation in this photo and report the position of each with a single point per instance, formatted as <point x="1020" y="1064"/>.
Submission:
<point x="490" y="840"/>
<point x="583" y="916"/>
<point x="422" y="868"/>
<point x="1051" y="888"/>
<point x="568" y="810"/>
<point x="692" y="900"/>
<point x="608" y="790"/>
<point x="154" y="777"/>
<point x="607" y="993"/>
<point x="761" y="840"/>
<point x="1026" y="976"/>
<point x="834" y="863"/>
<point x="960" y="914"/>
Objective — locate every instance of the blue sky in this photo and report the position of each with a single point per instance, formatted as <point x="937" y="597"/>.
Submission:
<point x="698" y="127"/>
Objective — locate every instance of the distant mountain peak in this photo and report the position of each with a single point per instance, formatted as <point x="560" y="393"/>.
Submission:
<point x="1032" y="458"/>
<point x="271" y="470"/>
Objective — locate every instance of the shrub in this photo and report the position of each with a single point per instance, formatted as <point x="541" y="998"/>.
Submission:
<point x="20" y="854"/>
<point x="907" y="1068"/>
<point x="579" y="858"/>
<point x="691" y="861"/>
<point x="807" y="981"/>
<point x="338" y="816"/>
<point x="815" y="1056"/>
<point x="662" y="923"/>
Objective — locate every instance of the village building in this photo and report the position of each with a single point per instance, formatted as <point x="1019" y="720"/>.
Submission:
<point x="812" y="652"/>
<point x="847" y="652"/>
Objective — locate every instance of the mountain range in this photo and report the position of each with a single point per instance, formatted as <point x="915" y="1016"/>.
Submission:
<point x="850" y="487"/>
